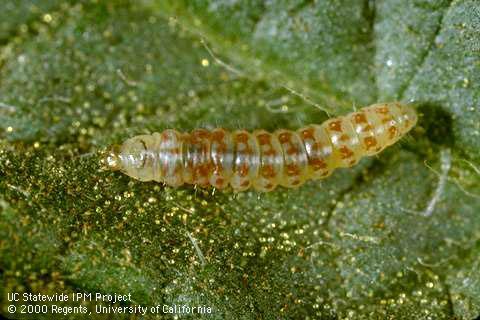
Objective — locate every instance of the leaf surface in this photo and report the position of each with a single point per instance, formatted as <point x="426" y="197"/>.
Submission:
<point x="395" y="236"/>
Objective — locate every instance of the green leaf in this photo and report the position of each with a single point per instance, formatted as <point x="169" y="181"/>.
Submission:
<point x="464" y="284"/>
<point x="393" y="237"/>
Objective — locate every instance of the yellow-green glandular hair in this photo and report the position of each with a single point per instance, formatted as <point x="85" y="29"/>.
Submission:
<point x="259" y="159"/>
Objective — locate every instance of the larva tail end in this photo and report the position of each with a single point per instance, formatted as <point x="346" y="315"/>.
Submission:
<point x="111" y="159"/>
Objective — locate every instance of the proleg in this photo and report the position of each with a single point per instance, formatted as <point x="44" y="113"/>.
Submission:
<point x="259" y="159"/>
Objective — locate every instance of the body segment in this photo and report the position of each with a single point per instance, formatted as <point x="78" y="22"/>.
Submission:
<point x="262" y="160"/>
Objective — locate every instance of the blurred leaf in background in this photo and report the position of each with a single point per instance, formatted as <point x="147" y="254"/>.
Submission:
<point x="397" y="236"/>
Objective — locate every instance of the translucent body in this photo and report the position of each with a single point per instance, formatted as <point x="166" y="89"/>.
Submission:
<point x="262" y="160"/>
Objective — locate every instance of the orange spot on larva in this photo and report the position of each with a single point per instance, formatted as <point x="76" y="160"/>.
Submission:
<point x="220" y="181"/>
<point x="317" y="146"/>
<point x="387" y="120"/>
<point x="308" y="133"/>
<point x="243" y="170"/>
<point x="268" y="186"/>
<point x="335" y="125"/>
<point x="284" y="137"/>
<point x="292" y="169"/>
<point x="292" y="150"/>
<point x="318" y="163"/>
<point x="268" y="171"/>
<point x="221" y="149"/>
<point x="344" y="137"/>
<point x="242" y="137"/>
<point x="367" y="128"/>
<point x="203" y="170"/>
<point x="345" y="152"/>
<point x="264" y="138"/>
<point x="392" y="131"/>
<point x="245" y="183"/>
<point x="217" y="168"/>
<point x="360" y="118"/>
<point x="198" y="176"/>
<point x="198" y="135"/>
<point x="218" y="136"/>
<point x="370" y="142"/>
<point x="382" y="110"/>
<point x="269" y="152"/>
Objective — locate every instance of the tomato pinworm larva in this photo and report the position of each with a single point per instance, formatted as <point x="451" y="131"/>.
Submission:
<point x="260" y="159"/>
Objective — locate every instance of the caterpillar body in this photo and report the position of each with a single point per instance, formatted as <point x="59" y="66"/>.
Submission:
<point x="260" y="159"/>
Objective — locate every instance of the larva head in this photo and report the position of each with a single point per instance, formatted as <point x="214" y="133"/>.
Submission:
<point x="134" y="158"/>
<point x="112" y="160"/>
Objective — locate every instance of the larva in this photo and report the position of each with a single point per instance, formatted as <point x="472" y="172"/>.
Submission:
<point x="262" y="160"/>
